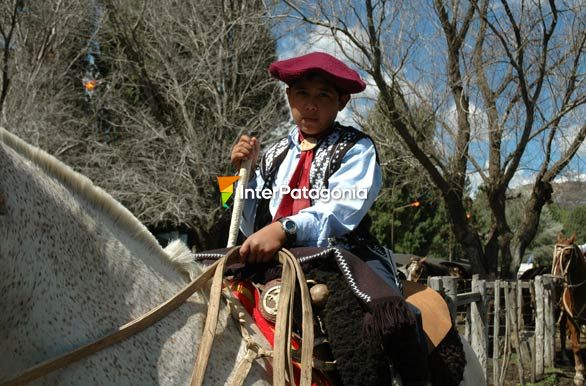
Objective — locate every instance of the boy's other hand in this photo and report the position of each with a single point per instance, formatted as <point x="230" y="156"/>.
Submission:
<point x="246" y="148"/>
<point x="261" y="246"/>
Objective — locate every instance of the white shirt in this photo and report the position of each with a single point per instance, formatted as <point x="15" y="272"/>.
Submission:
<point x="358" y="172"/>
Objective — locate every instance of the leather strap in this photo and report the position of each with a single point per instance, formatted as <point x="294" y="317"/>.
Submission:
<point x="282" y="363"/>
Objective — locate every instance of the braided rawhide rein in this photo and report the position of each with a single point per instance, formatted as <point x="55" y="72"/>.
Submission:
<point x="282" y="362"/>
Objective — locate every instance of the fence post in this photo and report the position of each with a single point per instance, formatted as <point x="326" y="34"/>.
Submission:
<point x="532" y="341"/>
<point x="513" y="310"/>
<point x="479" y="324"/>
<point x="539" y="327"/>
<point x="467" y="323"/>
<point x="549" y="338"/>
<point x="520" y="321"/>
<point x="495" y="333"/>
<point x="451" y="292"/>
<point x="507" y="345"/>
<point x="436" y="283"/>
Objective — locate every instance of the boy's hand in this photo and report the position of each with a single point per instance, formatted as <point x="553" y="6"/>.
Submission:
<point x="246" y="148"/>
<point x="261" y="246"/>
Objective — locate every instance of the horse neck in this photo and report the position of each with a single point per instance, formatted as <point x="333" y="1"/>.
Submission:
<point x="577" y="274"/>
<point x="70" y="272"/>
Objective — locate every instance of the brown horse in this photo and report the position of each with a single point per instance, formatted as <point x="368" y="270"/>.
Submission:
<point x="570" y="266"/>
<point x="420" y="268"/>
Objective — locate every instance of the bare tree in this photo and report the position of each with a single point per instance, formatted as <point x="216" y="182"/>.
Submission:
<point x="175" y="84"/>
<point x="7" y="32"/>
<point x="200" y="72"/>
<point x="40" y="43"/>
<point x="504" y="81"/>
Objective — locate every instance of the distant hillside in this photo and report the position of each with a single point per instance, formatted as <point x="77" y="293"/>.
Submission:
<point x="570" y="194"/>
<point x="566" y="194"/>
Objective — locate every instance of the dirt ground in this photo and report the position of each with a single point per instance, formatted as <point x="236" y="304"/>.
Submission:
<point x="561" y="375"/>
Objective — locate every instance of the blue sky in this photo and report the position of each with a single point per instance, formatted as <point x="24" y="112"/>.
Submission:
<point x="419" y="76"/>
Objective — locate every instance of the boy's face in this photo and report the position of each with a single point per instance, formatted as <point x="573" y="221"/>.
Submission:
<point x="314" y="104"/>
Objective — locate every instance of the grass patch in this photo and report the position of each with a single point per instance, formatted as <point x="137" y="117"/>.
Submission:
<point x="549" y="380"/>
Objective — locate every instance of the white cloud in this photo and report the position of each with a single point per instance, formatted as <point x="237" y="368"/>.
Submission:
<point x="570" y="177"/>
<point x="477" y="118"/>
<point x="522" y="177"/>
<point x="316" y="39"/>
<point x="567" y="137"/>
<point x="475" y="181"/>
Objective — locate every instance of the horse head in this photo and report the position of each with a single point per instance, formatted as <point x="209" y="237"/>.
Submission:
<point x="567" y="257"/>
<point x="416" y="269"/>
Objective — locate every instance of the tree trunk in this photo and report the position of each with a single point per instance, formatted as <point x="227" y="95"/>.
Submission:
<point x="501" y="235"/>
<point x="465" y="234"/>
<point x="540" y="195"/>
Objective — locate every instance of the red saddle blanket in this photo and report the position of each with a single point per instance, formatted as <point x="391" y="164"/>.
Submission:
<point x="249" y="296"/>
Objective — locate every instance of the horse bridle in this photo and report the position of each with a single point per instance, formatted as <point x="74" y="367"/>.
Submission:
<point x="558" y="253"/>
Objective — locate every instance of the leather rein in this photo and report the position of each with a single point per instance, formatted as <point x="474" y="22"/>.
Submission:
<point x="282" y="368"/>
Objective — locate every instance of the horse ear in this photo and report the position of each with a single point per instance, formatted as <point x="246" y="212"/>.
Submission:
<point x="423" y="259"/>
<point x="560" y="237"/>
<point x="573" y="238"/>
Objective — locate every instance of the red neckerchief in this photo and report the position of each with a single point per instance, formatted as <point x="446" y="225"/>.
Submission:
<point x="299" y="180"/>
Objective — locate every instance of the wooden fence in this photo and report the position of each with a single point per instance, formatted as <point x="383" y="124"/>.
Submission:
<point x="505" y="321"/>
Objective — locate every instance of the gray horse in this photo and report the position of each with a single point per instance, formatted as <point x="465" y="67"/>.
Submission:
<point x="76" y="265"/>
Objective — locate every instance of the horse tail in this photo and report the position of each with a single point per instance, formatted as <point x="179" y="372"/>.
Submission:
<point x="448" y="360"/>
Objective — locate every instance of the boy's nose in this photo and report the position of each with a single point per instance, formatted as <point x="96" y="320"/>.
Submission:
<point x="311" y="105"/>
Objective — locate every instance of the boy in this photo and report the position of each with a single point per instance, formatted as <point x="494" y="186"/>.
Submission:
<point x="319" y="87"/>
<point x="318" y="155"/>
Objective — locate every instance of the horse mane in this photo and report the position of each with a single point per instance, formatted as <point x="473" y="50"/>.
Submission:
<point x="175" y="258"/>
<point x="183" y="259"/>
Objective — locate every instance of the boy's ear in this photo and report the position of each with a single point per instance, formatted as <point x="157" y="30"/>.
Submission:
<point x="343" y="101"/>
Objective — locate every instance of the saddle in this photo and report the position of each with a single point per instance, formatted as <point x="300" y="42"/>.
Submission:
<point x="435" y="313"/>
<point x="358" y="315"/>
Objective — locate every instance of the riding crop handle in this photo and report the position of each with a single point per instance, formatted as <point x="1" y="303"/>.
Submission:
<point x="238" y="202"/>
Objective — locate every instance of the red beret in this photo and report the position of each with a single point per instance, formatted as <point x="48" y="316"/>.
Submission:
<point x="345" y="79"/>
